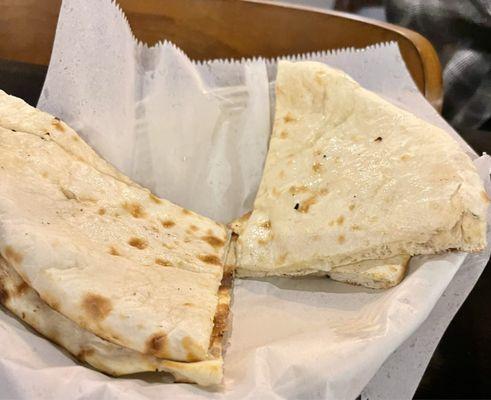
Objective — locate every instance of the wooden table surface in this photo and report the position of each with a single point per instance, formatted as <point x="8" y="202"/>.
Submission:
<point x="461" y="365"/>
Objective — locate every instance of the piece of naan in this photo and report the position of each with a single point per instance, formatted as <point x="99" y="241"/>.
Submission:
<point x="133" y="269"/>
<point x="105" y="356"/>
<point x="350" y="177"/>
<point x="374" y="274"/>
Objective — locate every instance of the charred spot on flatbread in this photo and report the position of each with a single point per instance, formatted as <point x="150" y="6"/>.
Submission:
<point x="289" y="118"/>
<point x="317" y="167"/>
<point x="4" y="294"/>
<point x="58" y="124"/>
<point x="12" y="256"/>
<point x="135" y="209"/>
<point x="210" y="259"/>
<point x="167" y="223"/>
<point x="21" y="288"/>
<point x="213" y="241"/>
<point x="84" y="353"/>
<point x="139" y="243"/>
<point x="96" y="307"/>
<point x="114" y="251"/>
<point x="163" y="262"/>
<point x="156" y="344"/>
<point x="305" y="205"/>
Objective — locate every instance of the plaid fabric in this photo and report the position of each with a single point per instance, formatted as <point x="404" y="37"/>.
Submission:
<point x="460" y="30"/>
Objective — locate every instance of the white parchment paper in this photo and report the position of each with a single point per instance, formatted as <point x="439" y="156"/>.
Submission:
<point x="197" y="134"/>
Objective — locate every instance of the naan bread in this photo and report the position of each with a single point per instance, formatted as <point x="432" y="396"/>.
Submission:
<point x="350" y="177"/>
<point x="131" y="268"/>
<point x="105" y="356"/>
<point x="374" y="274"/>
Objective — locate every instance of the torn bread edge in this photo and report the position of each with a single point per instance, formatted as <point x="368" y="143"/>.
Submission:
<point x="24" y="302"/>
<point x="373" y="274"/>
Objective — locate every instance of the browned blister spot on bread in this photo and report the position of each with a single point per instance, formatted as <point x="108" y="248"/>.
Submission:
<point x="114" y="251"/>
<point x="4" y="294"/>
<point x="58" y="124"/>
<point x="214" y="241"/>
<point x="96" y="307"/>
<point x="167" y="223"/>
<point x="193" y="228"/>
<point x="101" y="211"/>
<point x="351" y="207"/>
<point x="186" y="212"/>
<point x="340" y="220"/>
<point x="12" y="256"/>
<point x="139" y="243"/>
<point x="289" y="117"/>
<point x="135" y="209"/>
<point x="266" y="224"/>
<point x="341" y="239"/>
<point x="484" y="196"/>
<point x="305" y="205"/>
<point x="317" y="167"/>
<point x="209" y="259"/>
<point x="21" y="288"/>
<point x="84" y="353"/>
<point x="163" y="262"/>
<point x="156" y="345"/>
<point x="283" y="134"/>
<point x="154" y="198"/>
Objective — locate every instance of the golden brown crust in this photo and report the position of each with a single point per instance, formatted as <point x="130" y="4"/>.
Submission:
<point x="96" y="307"/>
<point x="12" y="255"/>
<point x="222" y="314"/>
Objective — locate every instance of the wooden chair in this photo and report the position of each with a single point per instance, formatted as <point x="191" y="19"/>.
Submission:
<point x="207" y="29"/>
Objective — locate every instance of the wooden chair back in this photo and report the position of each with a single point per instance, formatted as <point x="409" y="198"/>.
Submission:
<point x="207" y="29"/>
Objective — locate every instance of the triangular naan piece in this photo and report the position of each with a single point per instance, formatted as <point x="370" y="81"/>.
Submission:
<point x="131" y="268"/>
<point x="374" y="274"/>
<point x="350" y="177"/>
<point x="105" y="356"/>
